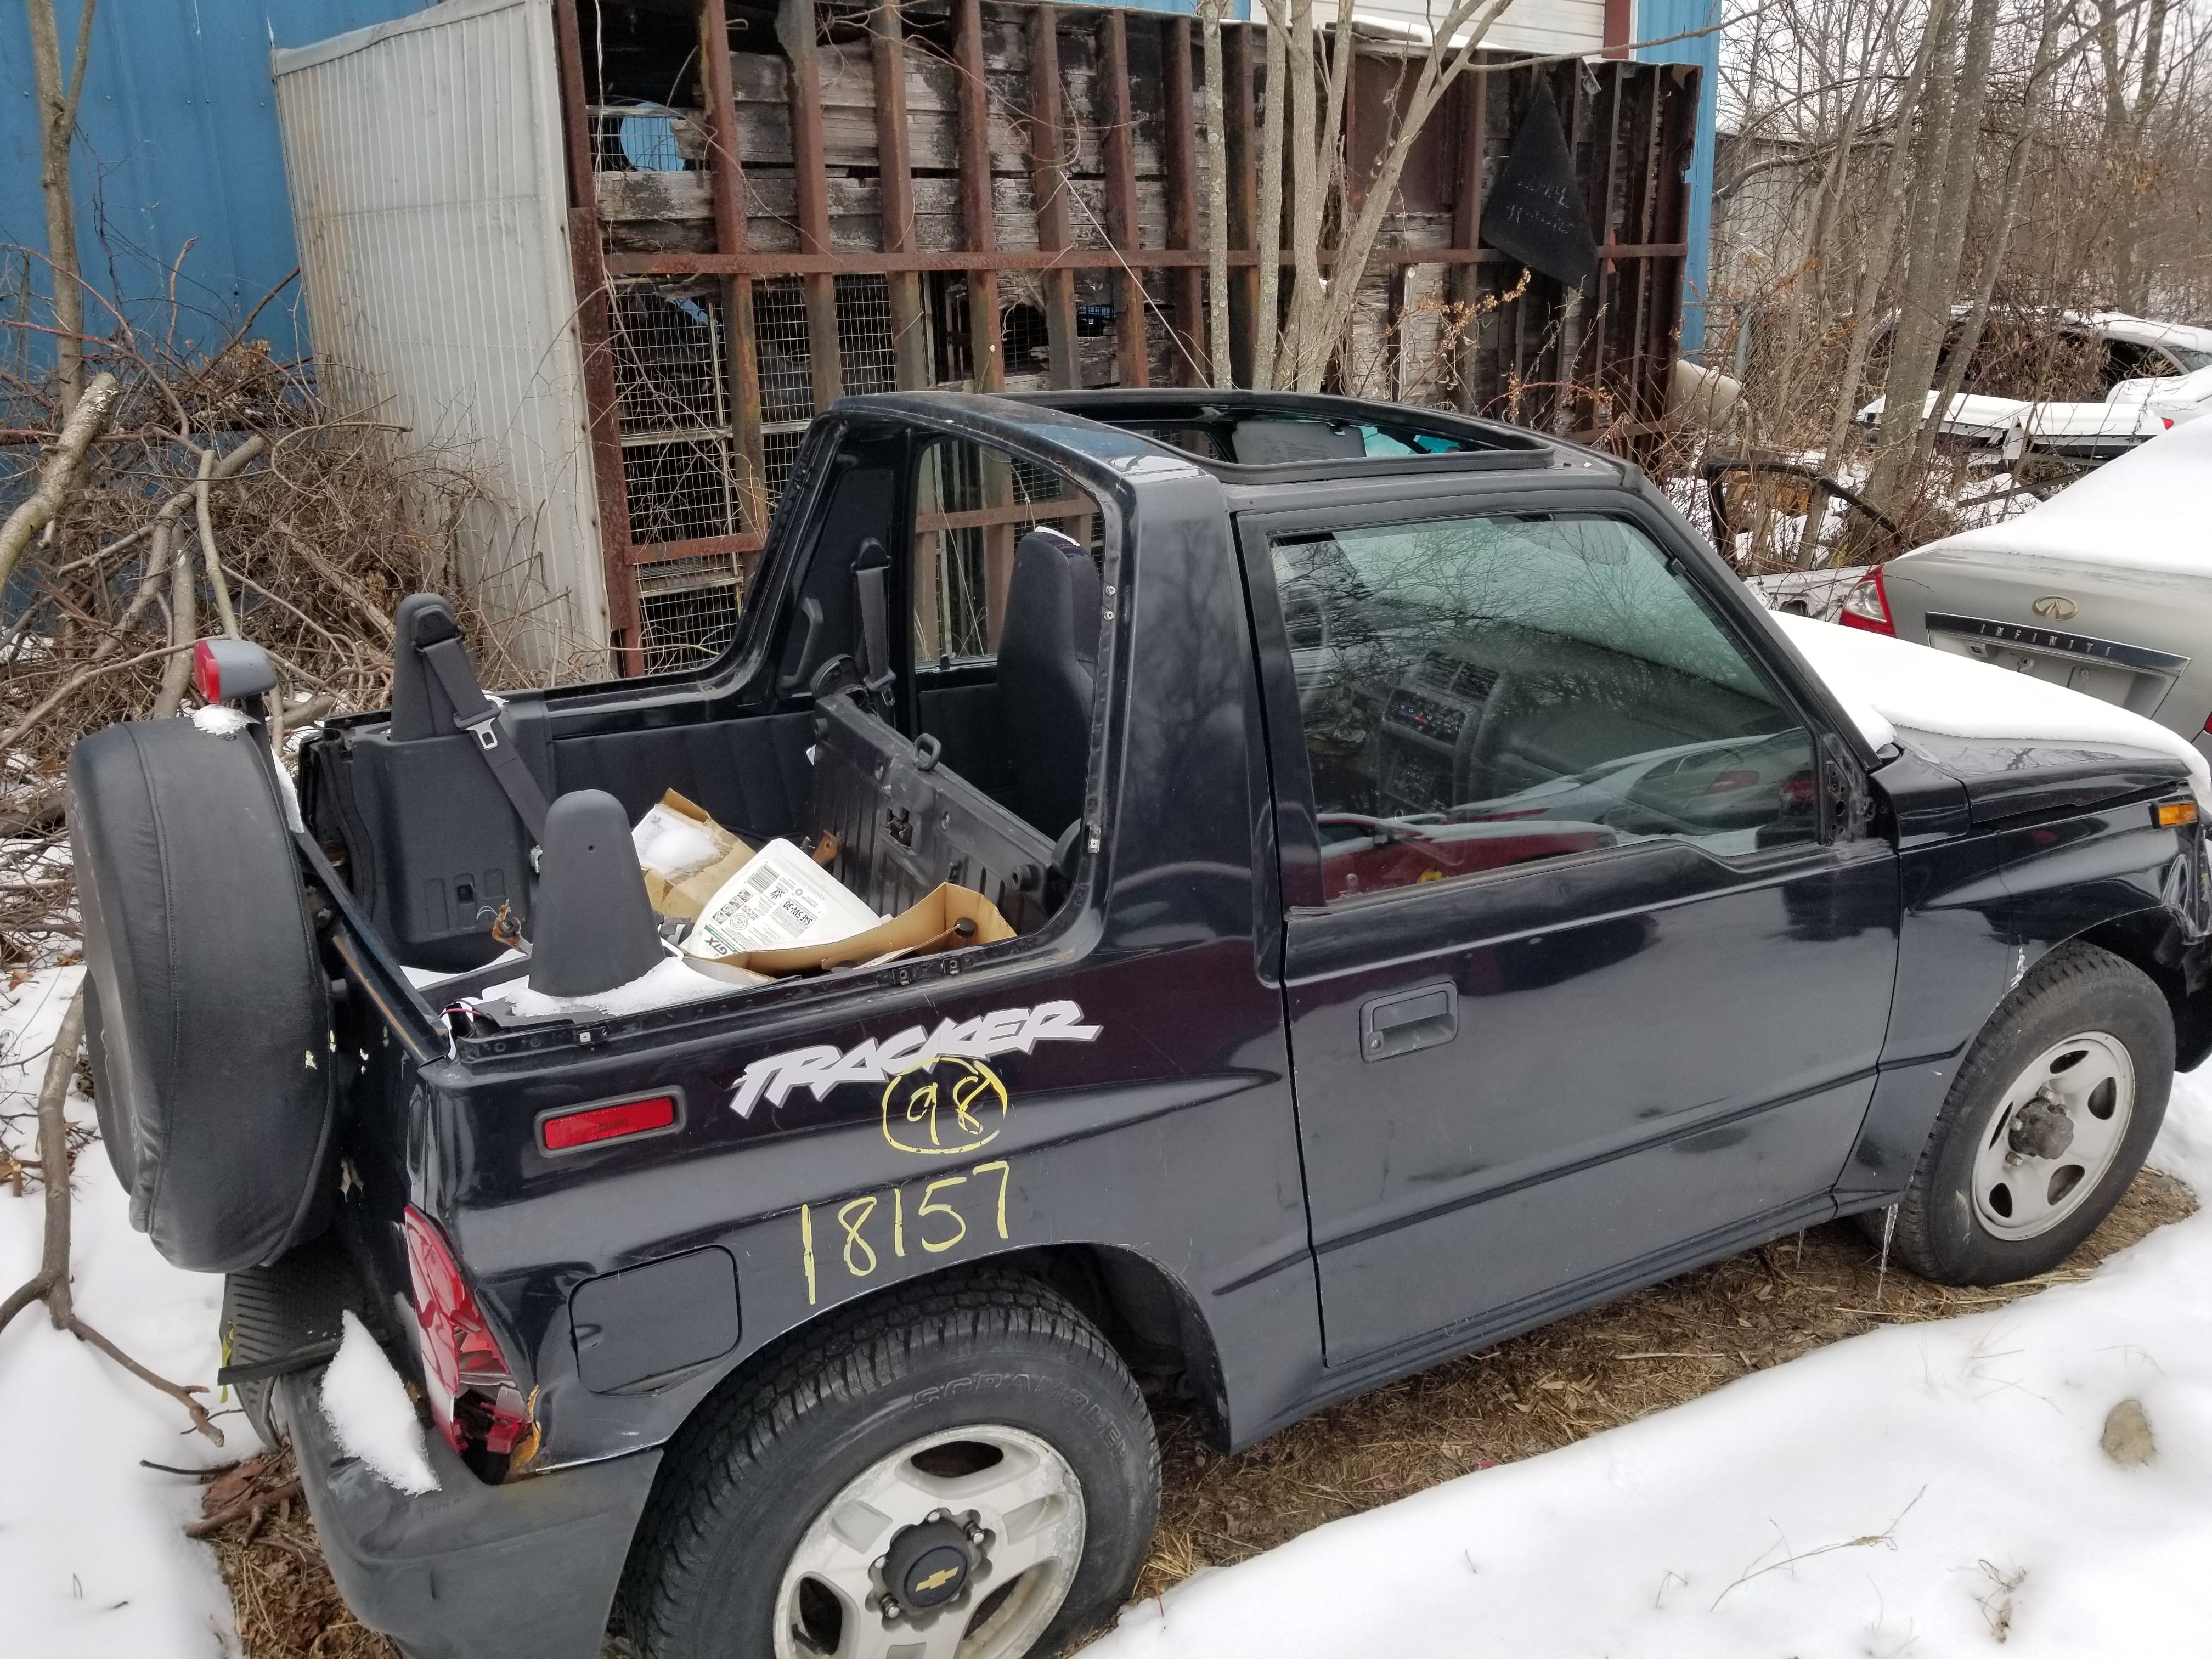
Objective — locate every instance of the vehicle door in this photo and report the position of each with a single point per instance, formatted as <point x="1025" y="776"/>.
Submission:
<point x="1586" y="969"/>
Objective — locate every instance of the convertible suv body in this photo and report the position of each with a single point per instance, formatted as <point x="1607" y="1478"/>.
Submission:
<point x="1440" y="899"/>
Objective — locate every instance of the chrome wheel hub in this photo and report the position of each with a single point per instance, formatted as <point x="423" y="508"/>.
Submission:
<point x="2054" y="1136"/>
<point x="960" y="1545"/>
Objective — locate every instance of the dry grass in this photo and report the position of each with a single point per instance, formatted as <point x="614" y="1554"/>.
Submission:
<point x="1596" y="1371"/>
<point x="286" y="1605"/>
<point x="1654" y="1349"/>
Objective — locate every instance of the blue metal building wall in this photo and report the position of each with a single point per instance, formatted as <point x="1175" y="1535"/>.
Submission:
<point x="177" y="142"/>
<point x="1654" y="21"/>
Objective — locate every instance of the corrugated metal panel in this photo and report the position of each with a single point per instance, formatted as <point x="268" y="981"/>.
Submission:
<point x="424" y="161"/>
<point x="176" y="143"/>
<point x="1654" y="21"/>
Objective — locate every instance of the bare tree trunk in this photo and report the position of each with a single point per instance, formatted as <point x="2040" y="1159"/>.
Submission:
<point x="1217" y="198"/>
<point x="1305" y="204"/>
<point x="1993" y="260"/>
<point x="1267" y="234"/>
<point x="1877" y="253"/>
<point x="57" y="122"/>
<point x="1945" y="186"/>
<point x="57" y="478"/>
<point x="1447" y="56"/>
<point x="2127" y="122"/>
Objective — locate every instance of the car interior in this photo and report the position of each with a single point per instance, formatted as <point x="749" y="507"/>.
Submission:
<point x="918" y="720"/>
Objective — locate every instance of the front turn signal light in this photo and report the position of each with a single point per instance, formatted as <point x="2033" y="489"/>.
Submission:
<point x="2175" y="813"/>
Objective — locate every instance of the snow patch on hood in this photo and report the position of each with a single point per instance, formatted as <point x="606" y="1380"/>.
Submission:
<point x="368" y="1410"/>
<point x="1885" y="682"/>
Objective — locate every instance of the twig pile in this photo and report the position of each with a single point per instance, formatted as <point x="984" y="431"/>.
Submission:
<point x="186" y="497"/>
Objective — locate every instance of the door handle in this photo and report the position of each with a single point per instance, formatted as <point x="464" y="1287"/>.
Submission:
<point x="1413" y="1019"/>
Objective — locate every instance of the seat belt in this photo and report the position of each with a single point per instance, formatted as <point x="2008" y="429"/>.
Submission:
<point x="871" y="573"/>
<point x="479" y="715"/>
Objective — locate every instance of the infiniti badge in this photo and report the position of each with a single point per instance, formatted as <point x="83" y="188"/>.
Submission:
<point x="2055" y="607"/>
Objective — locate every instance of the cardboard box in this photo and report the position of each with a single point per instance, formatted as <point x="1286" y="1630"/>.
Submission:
<point x="685" y="897"/>
<point x="929" y="924"/>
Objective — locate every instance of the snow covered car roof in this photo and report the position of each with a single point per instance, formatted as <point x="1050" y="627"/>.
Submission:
<point x="2147" y="510"/>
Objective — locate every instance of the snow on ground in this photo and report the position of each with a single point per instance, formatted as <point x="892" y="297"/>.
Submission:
<point x="93" y="1561"/>
<point x="1922" y="1489"/>
<point x="1896" y="1494"/>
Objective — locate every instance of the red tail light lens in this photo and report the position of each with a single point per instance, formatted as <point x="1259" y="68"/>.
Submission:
<point x="1867" y="605"/>
<point x="473" y="1395"/>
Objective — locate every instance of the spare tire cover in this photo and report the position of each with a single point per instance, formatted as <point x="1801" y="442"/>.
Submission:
<point x="212" y="1064"/>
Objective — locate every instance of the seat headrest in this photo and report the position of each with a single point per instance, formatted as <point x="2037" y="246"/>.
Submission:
<point x="1052" y="600"/>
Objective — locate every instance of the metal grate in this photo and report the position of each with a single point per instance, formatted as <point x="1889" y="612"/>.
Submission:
<point x="779" y="448"/>
<point x="863" y="333"/>
<point x="644" y="138"/>
<point x="964" y="478"/>
<point x="687" y="628"/>
<point x="682" y="488"/>
<point x="780" y="346"/>
<point x="669" y="372"/>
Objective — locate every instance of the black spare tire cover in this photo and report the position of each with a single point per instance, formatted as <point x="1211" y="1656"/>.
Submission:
<point x="211" y="1038"/>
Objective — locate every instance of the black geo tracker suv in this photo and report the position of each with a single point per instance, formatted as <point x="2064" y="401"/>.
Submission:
<point x="1438" y="900"/>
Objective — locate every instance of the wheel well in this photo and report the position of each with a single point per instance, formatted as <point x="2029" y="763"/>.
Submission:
<point x="1147" y="1316"/>
<point x="2152" y="940"/>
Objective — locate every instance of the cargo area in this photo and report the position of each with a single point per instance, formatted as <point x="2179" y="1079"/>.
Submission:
<point x="907" y="723"/>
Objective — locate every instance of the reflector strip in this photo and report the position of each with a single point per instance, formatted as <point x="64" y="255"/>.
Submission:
<point x="595" y="1123"/>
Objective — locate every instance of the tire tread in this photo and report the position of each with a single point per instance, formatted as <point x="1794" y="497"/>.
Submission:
<point x="837" y="1363"/>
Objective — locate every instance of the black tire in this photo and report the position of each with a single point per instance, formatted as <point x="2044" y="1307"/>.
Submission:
<point x="746" y="1480"/>
<point x="208" y="1012"/>
<point x="1941" y="1234"/>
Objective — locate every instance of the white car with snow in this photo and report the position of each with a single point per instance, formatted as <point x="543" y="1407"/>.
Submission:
<point x="2106" y="588"/>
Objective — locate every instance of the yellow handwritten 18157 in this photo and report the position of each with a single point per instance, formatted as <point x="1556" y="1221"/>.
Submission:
<point x="936" y="1225"/>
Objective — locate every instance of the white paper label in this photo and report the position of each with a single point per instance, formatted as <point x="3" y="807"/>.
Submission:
<point x="781" y="898"/>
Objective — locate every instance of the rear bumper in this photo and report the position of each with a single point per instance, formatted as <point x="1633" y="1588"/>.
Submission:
<point x="469" y="1571"/>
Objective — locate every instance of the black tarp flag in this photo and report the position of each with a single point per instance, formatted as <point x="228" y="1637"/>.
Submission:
<point x="1535" y="210"/>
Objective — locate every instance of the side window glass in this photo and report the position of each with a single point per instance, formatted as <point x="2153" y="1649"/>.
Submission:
<point x="972" y="504"/>
<point x="1479" y="693"/>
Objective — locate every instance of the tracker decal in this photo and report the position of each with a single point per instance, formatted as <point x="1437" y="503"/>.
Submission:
<point x="822" y="1068"/>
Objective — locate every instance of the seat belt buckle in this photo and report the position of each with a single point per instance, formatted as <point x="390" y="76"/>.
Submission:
<point x="484" y="728"/>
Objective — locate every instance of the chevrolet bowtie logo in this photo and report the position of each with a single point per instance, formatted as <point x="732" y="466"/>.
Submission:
<point x="2055" y="607"/>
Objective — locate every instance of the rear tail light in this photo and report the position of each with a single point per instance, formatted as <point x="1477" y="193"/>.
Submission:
<point x="474" y="1397"/>
<point x="2168" y="419"/>
<point x="1867" y="606"/>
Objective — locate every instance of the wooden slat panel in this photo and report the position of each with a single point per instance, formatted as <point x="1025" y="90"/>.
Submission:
<point x="1181" y="146"/>
<point x="725" y="173"/>
<point x="704" y="547"/>
<point x="985" y="365"/>
<point x="1048" y="139"/>
<point x="768" y="265"/>
<point x="1010" y="513"/>
<point x="795" y="25"/>
<point x="911" y="367"/>
<point x="1131" y="351"/>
